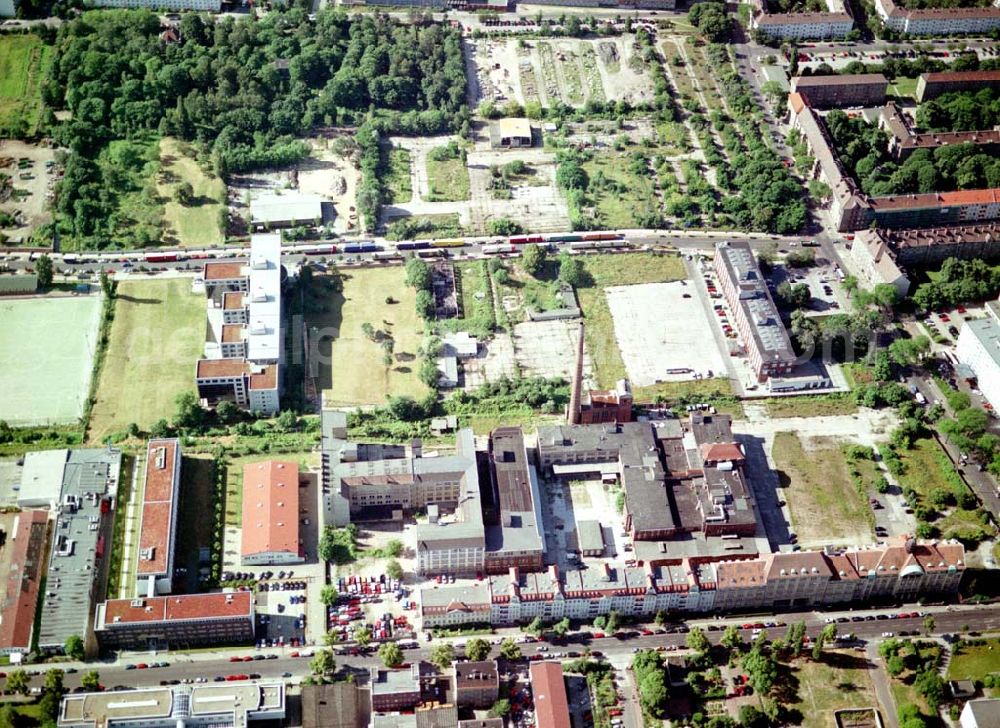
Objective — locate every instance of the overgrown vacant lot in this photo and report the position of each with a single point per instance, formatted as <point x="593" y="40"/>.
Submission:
<point x="157" y="335"/>
<point x="616" y="270"/>
<point x="840" y="681"/>
<point x="24" y="61"/>
<point x="357" y="375"/>
<point x="447" y="175"/>
<point x="825" y="507"/>
<point x="196" y="221"/>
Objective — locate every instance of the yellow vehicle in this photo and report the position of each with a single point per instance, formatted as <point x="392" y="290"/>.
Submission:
<point x="448" y="243"/>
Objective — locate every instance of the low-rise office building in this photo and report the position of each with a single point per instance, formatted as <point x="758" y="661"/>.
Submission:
<point x="158" y="518"/>
<point x="81" y="532"/>
<point x="769" y="351"/>
<point x="932" y="85"/>
<point x="26" y="543"/>
<point x="234" y="705"/>
<point x="176" y="621"/>
<point x="937" y="21"/>
<point x="270" y="525"/>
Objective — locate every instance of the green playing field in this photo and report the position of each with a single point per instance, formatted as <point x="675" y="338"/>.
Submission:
<point x="46" y="357"/>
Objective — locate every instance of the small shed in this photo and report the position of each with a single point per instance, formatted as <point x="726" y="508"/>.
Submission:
<point x="510" y="134"/>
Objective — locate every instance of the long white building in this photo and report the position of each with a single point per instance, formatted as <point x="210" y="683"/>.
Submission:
<point x="979" y="349"/>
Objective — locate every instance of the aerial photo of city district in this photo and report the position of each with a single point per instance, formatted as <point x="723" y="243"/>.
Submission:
<point x="499" y="364"/>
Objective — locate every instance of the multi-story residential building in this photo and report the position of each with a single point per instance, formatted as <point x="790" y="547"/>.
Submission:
<point x="515" y="533"/>
<point x="802" y="26"/>
<point x="932" y="85"/>
<point x="768" y="349"/>
<point x="270" y="526"/>
<point x="549" y="690"/>
<point x="937" y="21"/>
<point x="979" y="349"/>
<point x="836" y="91"/>
<point x="903" y="140"/>
<point x="210" y="6"/>
<point x="244" y="353"/>
<point x="158" y="519"/>
<point x="477" y="684"/>
<point x="19" y="597"/>
<point x="904" y="570"/>
<point x="234" y="705"/>
<point x="176" y="621"/>
<point x="874" y="262"/>
<point x="80" y="534"/>
<point x="395" y="690"/>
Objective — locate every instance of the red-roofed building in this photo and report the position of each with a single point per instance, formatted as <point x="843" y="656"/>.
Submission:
<point x="183" y="620"/>
<point x="271" y="513"/>
<point x="26" y="543"/>
<point x="549" y="689"/>
<point x="158" y="524"/>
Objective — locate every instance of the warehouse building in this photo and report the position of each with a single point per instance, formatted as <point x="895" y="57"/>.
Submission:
<point x="26" y="543"/>
<point x="272" y="211"/>
<point x="270" y="525"/>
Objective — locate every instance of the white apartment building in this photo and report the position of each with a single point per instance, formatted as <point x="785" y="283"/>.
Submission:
<point x="938" y="21"/>
<point x="979" y="349"/>
<point x="212" y="6"/>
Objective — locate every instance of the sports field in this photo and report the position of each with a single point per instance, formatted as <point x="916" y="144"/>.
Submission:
<point x="357" y="374"/>
<point x="46" y="358"/>
<point x="156" y="337"/>
<point x="24" y="61"/>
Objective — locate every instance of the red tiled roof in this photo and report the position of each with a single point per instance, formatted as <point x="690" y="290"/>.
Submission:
<point x="270" y="508"/>
<point x="857" y="79"/>
<point x="214" y="368"/>
<point x="937" y="199"/>
<point x="158" y="505"/>
<point x="961" y="76"/>
<point x="20" y="599"/>
<point x="177" y="608"/>
<point x="223" y="271"/>
<point x="549" y="688"/>
<point x="717" y="452"/>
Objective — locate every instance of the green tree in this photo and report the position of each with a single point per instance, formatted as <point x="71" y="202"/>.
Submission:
<point x="443" y="655"/>
<point x="654" y="692"/>
<point x="510" y="650"/>
<point x="613" y="622"/>
<point x="227" y="412"/>
<point x="363" y="636"/>
<point x="571" y="176"/>
<point x="393" y="570"/>
<point x="183" y="193"/>
<point x="90" y="680"/>
<point x="697" y="640"/>
<point x="500" y="708"/>
<point x="535" y="627"/>
<point x="391" y="654"/>
<point x="561" y="628"/>
<point x="329" y="595"/>
<point x="504" y="226"/>
<point x="895" y="665"/>
<point x="17" y="682"/>
<point x="74" y="647"/>
<point x="533" y="259"/>
<point x="43" y="269"/>
<point x="425" y="305"/>
<point x="761" y="669"/>
<point x="323" y="663"/>
<point x="53" y="682"/>
<point x="188" y="414"/>
<point x="931" y="686"/>
<point x="732" y="637"/>
<point x="908" y="352"/>
<point x="929" y="624"/>
<point x="477" y="649"/>
<point x="571" y="270"/>
<point x="418" y="274"/>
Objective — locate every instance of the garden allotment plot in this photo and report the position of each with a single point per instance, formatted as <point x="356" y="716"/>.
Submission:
<point x="46" y="358"/>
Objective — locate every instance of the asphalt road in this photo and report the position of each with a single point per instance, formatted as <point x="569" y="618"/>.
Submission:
<point x="211" y="663"/>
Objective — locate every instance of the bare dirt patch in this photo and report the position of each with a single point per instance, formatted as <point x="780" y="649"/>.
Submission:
<point x="26" y="193"/>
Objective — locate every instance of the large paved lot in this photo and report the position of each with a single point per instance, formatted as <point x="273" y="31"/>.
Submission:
<point x="46" y="357"/>
<point x="548" y="348"/>
<point x="661" y="327"/>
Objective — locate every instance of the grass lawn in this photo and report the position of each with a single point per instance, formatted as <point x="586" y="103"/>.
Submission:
<point x="444" y="225"/>
<point x="357" y="375"/>
<point x="625" y="197"/>
<point x="397" y="180"/>
<point x="904" y="87"/>
<point x="447" y="179"/>
<point x="538" y="294"/>
<point x="157" y="335"/>
<point x="840" y="681"/>
<point x="825" y="507"/>
<point x="468" y="275"/>
<point x="705" y="389"/>
<point x="617" y="270"/>
<point x="197" y="222"/>
<point x="974" y="662"/>
<point x="24" y="63"/>
<point x="923" y="471"/>
<point x="810" y="406"/>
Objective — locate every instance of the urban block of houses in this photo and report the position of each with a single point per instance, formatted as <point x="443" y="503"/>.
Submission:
<point x="210" y="6"/>
<point x="235" y="704"/>
<point x="26" y="543"/>
<point x="937" y="21"/>
<point x="904" y="140"/>
<point x="932" y="85"/>
<point x="767" y="347"/>
<point x="244" y="353"/>
<point x="158" y="518"/>
<point x="904" y="570"/>
<point x="270" y="525"/>
<point x="836" y="22"/>
<point x="851" y="209"/>
<point x="979" y="349"/>
<point x="176" y="621"/>
<point x="883" y="256"/>
<point x="81" y="532"/>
